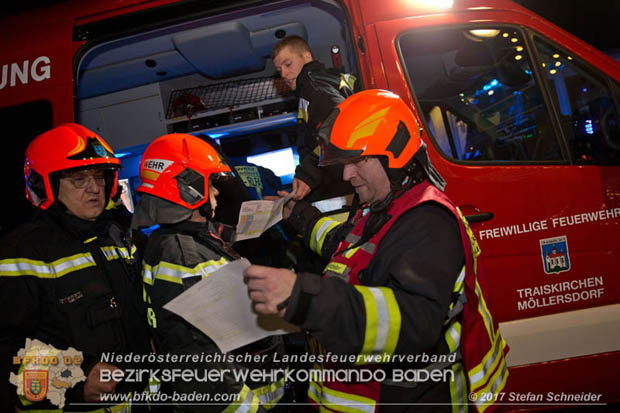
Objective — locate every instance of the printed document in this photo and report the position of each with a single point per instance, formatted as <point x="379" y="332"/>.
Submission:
<point x="220" y="307"/>
<point x="256" y="217"/>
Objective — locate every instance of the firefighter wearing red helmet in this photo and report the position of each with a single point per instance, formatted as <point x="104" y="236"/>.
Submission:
<point x="70" y="277"/>
<point x="180" y="175"/>
<point x="402" y="294"/>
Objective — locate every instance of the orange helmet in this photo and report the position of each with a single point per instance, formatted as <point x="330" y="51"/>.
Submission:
<point x="370" y="123"/>
<point x="68" y="146"/>
<point x="177" y="167"/>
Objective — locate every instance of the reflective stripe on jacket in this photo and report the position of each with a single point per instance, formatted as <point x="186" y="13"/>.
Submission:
<point x="72" y="283"/>
<point x="482" y="347"/>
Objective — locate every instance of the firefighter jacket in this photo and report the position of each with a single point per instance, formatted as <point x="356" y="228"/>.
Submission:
<point x="259" y="181"/>
<point x="394" y="303"/>
<point x="176" y="257"/>
<point x="319" y="91"/>
<point x="72" y="283"/>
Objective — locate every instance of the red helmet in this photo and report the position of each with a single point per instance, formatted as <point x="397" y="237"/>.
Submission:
<point x="370" y="123"/>
<point x="68" y="146"/>
<point x="177" y="167"/>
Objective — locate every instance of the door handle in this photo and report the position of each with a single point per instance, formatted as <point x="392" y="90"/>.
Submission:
<point x="479" y="217"/>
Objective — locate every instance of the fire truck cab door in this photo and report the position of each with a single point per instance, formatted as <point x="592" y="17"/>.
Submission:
<point x="522" y="122"/>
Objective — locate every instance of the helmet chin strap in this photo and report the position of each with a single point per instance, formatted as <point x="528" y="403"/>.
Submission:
<point x="378" y="215"/>
<point x="400" y="182"/>
<point x="205" y="210"/>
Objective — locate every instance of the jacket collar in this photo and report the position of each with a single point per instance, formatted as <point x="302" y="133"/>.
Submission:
<point x="304" y="82"/>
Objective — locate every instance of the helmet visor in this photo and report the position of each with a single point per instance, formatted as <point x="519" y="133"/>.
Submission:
<point x="331" y="154"/>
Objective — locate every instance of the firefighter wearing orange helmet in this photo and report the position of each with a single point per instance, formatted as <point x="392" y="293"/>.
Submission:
<point x="180" y="174"/>
<point x="402" y="292"/>
<point x="70" y="277"/>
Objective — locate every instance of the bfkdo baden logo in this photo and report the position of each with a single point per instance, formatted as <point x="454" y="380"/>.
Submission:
<point x="555" y="254"/>
<point x="46" y="372"/>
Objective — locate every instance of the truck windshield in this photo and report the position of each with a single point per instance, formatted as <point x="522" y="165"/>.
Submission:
<point x="478" y="94"/>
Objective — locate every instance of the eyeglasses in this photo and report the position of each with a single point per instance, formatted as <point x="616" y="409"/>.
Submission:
<point x="82" y="181"/>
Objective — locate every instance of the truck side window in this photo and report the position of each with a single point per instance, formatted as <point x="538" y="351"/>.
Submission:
<point x="477" y="93"/>
<point x="588" y="115"/>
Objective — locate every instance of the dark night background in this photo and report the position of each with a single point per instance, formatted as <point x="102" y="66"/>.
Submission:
<point x="595" y="21"/>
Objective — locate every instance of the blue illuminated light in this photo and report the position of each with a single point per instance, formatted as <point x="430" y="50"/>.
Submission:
<point x="253" y="126"/>
<point x="491" y="85"/>
<point x="589" y="129"/>
<point x="281" y="161"/>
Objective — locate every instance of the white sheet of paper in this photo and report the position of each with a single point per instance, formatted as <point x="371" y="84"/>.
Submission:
<point x="220" y="307"/>
<point x="256" y="217"/>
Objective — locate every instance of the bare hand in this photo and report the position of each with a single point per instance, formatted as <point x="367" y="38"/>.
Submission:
<point x="300" y="189"/>
<point x="288" y="207"/>
<point x="95" y="387"/>
<point x="268" y="287"/>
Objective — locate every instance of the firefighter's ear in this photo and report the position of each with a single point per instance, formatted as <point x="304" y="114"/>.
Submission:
<point x="307" y="56"/>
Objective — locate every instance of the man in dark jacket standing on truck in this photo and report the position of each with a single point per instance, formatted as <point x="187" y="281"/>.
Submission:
<point x="319" y="91"/>
<point x="71" y="277"/>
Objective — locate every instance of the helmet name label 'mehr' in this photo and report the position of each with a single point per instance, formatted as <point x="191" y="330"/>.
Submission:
<point x="187" y="161"/>
<point x="157" y="165"/>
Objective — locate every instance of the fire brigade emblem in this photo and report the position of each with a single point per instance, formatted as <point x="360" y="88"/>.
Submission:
<point x="99" y="149"/>
<point x="35" y="384"/>
<point x="555" y="254"/>
<point x="46" y="372"/>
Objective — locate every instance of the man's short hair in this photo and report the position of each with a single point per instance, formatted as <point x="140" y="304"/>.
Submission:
<point x="296" y="43"/>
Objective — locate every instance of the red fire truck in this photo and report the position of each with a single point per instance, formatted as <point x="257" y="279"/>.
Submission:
<point x="521" y="118"/>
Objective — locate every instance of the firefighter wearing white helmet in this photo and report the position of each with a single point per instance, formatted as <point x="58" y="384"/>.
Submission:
<point x="403" y="285"/>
